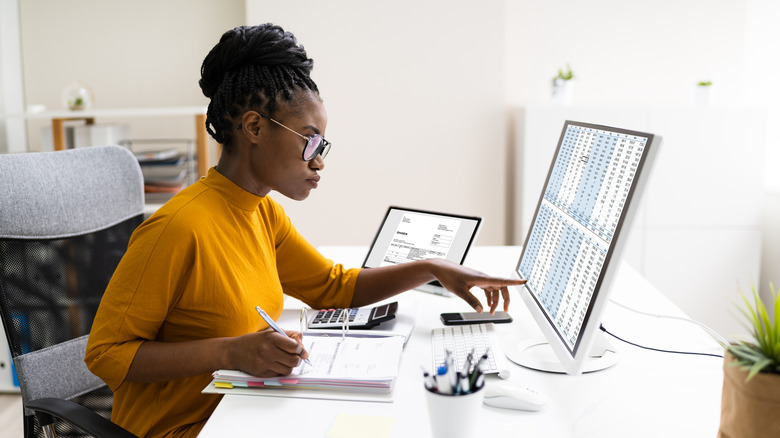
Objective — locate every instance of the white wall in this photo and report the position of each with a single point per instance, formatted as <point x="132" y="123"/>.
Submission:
<point x="417" y="91"/>
<point x="13" y="136"/>
<point x="625" y="51"/>
<point x="642" y="53"/>
<point x="762" y="42"/>
<point x="415" y="101"/>
<point x="143" y="53"/>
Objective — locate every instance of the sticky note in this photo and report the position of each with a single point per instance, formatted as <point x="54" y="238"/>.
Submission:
<point x="355" y="426"/>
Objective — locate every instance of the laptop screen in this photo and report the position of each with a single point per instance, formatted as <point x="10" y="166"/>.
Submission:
<point x="407" y="235"/>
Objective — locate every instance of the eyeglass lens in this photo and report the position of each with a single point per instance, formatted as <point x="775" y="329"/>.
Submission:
<point x="315" y="145"/>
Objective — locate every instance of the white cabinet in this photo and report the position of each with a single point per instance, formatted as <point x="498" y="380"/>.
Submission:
<point x="697" y="236"/>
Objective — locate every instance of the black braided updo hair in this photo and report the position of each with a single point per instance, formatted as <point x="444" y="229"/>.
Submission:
<point x="251" y="67"/>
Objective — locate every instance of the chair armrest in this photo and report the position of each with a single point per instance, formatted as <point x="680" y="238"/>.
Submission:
<point x="86" y="420"/>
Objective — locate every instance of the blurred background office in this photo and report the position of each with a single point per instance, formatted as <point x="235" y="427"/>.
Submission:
<point x="447" y="105"/>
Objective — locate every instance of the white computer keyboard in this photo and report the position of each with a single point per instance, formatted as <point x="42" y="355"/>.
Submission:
<point x="460" y="340"/>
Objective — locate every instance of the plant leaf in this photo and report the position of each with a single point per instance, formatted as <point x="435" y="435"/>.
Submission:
<point x="757" y="367"/>
<point x="762" y="352"/>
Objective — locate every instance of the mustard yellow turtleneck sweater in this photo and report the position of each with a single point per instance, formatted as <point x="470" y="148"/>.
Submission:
<point x="196" y="269"/>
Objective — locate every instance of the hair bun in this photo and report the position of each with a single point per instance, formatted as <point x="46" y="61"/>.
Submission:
<point x="264" y="45"/>
<point x="251" y="67"/>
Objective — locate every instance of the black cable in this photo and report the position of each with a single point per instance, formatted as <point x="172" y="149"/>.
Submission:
<point x="601" y="326"/>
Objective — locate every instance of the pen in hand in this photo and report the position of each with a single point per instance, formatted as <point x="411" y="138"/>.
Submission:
<point x="276" y="328"/>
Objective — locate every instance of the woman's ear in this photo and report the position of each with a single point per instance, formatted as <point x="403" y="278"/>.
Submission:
<point x="250" y="124"/>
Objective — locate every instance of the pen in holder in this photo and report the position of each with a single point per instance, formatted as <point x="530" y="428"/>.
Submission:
<point x="456" y="414"/>
<point x="454" y="398"/>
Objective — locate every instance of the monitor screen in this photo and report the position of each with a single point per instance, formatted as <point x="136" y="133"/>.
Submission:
<point x="577" y="223"/>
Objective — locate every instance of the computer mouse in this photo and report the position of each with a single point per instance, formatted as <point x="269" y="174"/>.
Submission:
<point x="516" y="397"/>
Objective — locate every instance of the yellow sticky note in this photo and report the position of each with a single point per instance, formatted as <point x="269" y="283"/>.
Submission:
<point x="227" y="385"/>
<point x="355" y="426"/>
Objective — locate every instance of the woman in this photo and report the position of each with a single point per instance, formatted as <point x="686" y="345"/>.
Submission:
<point x="181" y="303"/>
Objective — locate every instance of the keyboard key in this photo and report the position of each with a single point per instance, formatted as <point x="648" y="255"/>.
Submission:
<point x="461" y="340"/>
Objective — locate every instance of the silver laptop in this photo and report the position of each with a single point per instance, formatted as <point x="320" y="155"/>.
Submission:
<point x="407" y="235"/>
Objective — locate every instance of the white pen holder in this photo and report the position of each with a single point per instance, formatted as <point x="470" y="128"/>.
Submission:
<point x="454" y="415"/>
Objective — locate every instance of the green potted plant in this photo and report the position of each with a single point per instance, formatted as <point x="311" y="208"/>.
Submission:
<point x="563" y="86"/>
<point x="703" y="93"/>
<point x="750" y="404"/>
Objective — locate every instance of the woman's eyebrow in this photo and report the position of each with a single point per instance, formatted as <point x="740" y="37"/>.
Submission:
<point x="313" y="128"/>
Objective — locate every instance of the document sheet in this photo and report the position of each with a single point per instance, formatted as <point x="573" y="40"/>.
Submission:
<point x="355" y="364"/>
<point x="351" y="357"/>
<point x="420" y="237"/>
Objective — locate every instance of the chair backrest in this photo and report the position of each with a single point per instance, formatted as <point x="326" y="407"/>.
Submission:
<point x="65" y="220"/>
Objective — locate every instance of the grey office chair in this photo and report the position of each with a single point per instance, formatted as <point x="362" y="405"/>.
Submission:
<point x="65" y="220"/>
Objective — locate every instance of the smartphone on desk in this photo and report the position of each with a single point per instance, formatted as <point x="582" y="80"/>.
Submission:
<point x="462" y="318"/>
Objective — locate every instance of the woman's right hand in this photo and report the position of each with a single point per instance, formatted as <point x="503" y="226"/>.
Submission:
<point x="267" y="353"/>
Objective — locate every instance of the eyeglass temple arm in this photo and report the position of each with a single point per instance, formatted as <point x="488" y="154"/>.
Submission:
<point x="296" y="133"/>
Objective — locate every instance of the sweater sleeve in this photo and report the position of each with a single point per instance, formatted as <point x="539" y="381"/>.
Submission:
<point x="140" y="294"/>
<point x="307" y="275"/>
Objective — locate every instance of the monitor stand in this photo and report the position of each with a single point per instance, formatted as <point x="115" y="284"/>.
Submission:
<point x="536" y="353"/>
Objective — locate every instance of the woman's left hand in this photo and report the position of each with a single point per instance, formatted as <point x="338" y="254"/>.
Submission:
<point x="460" y="280"/>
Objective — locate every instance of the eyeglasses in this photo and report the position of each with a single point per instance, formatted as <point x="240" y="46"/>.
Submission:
<point x="315" y="144"/>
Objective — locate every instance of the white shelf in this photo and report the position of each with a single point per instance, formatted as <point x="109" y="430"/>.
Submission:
<point x="110" y="112"/>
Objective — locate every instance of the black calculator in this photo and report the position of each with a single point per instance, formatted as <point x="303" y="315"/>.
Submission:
<point x="357" y="318"/>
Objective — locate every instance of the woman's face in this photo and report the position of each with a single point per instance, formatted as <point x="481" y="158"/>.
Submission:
<point x="277" y="162"/>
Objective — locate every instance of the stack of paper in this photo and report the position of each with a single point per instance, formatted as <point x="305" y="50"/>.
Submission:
<point x="352" y="364"/>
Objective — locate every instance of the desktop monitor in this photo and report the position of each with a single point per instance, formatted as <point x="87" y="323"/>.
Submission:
<point x="573" y="246"/>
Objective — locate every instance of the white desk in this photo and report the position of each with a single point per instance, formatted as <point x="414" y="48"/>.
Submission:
<point x="647" y="394"/>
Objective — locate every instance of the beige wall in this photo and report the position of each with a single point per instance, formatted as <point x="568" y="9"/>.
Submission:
<point x="414" y="93"/>
<point x="141" y="53"/>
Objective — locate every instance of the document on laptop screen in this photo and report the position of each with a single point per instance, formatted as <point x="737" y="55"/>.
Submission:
<point x="420" y="237"/>
<point x="407" y="235"/>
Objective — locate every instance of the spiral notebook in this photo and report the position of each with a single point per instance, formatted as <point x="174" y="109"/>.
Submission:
<point x="343" y="368"/>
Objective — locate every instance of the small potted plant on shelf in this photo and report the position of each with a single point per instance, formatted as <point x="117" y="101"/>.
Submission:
<point x="703" y="92"/>
<point x="750" y="404"/>
<point x="563" y="86"/>
<point x="78" y="96"/>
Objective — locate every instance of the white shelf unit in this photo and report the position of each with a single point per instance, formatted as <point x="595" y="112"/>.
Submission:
<point x="58" y="119"/>
<point x="6" y="369"/>
<point x="697" y="236"/>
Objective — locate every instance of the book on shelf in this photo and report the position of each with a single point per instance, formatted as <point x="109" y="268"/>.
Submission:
<point x="165" y="170"/>
<point x="158" y="155"/>
<point x="166" y="176"/>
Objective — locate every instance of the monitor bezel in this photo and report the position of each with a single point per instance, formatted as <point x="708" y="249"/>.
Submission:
<point x="573" y="359"/>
